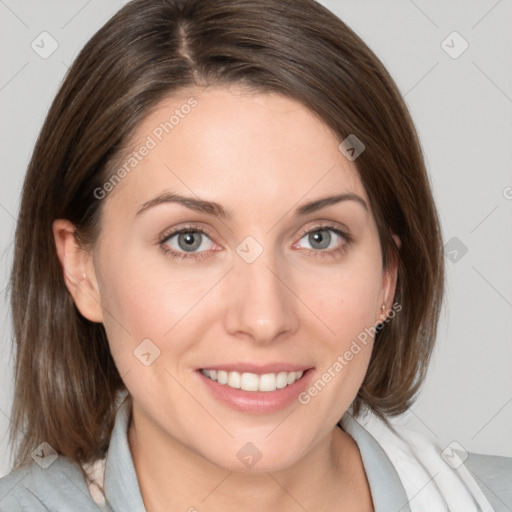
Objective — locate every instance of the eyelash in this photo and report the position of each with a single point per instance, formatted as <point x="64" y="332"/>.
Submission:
<point x="204" y="254"/>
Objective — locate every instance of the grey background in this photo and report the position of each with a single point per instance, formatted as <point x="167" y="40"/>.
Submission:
<point x="462" y="108"/>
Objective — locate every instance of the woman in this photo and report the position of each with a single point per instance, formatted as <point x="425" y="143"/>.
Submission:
<point x="238" y="276"/>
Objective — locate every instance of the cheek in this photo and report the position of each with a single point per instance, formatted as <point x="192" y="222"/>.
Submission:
<point x="136" y="302"/>
<point x="348" y="309"/>
<point x="346" y="301"/>
<point x="346" y="298"/>
<point x="141" y="290"/>
<point x="150" y="297"/>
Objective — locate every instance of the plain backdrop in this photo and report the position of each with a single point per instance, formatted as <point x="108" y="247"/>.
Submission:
<point x="451" y="60"/>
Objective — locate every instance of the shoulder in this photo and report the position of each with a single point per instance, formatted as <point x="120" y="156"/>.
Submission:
<point x="59" y="487"/>
<point x="494" y="476"/>
<point x="419" y="458"/>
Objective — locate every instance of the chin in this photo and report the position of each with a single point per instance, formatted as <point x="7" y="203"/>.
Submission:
<point x="255" y="457"/>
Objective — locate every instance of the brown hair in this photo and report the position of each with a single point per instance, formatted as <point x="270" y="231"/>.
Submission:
<point x="65" y="378"/>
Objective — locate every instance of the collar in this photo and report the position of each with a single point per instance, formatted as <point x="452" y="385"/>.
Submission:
<point x="121" y="485"/>
<point x="387" y="490"/>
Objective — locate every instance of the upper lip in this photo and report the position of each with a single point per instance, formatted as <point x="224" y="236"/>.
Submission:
<point x="258" y="369"/>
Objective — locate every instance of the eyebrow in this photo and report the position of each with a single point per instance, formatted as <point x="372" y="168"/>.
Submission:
<point x="217" y="210"/>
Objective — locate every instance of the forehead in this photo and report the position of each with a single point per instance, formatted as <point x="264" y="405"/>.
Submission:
<point x="231" y="145"/>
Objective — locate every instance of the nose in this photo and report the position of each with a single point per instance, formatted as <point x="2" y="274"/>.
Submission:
<point x="261" y="303"/>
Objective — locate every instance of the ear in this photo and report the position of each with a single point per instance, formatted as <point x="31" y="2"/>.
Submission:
<point x="389" y="280"/>
<point x="78" y="270"/>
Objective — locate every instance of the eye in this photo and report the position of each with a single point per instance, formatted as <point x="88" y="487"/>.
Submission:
<point x="186" y="243"/>
<point x="320" y="238"/>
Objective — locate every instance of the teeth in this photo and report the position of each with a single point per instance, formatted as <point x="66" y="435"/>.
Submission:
<point x="267" y="381"/>
<point x="281" y="380"/>
<point x="222" y="377"/>
<point x="249" y="381"/>
<point x="234" y="380"/>
<point x="253" y="382"/>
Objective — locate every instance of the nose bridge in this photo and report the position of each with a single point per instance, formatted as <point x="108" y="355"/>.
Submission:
<point x="261" y="303"/>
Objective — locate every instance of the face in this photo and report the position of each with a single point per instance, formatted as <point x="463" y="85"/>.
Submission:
<point x="268" y="288"/>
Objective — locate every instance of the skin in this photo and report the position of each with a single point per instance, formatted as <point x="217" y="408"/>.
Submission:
<point x="260" y="156"/>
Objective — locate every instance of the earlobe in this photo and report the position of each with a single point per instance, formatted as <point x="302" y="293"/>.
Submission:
<point x="389" y="282"/>
<point x="77" y="270"/>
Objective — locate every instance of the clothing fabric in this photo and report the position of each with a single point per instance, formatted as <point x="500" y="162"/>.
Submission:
<point x="437" y="478"/>
<point x="404" y="469"/>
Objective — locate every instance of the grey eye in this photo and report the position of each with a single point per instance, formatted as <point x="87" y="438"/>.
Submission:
<point x="189" y="241"/>
<point x="320" y="239"/>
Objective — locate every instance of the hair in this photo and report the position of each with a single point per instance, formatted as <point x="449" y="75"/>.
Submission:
<point x="66" y="381"/>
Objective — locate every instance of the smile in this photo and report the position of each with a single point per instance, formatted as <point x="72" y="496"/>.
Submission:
<point x="251" y="381"/>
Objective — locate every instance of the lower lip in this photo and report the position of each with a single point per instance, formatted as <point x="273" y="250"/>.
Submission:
<point x="257" y="402"/>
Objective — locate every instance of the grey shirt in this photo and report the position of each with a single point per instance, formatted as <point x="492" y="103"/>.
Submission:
<point x="61" y="487"/>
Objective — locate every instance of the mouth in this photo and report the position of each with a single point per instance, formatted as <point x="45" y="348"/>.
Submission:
<point x="256" y="389"/>
<point x="248" y="381"/>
